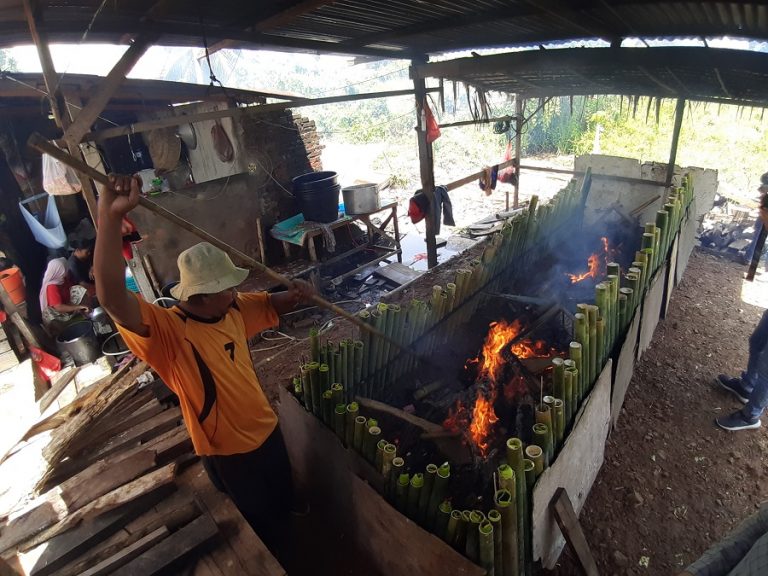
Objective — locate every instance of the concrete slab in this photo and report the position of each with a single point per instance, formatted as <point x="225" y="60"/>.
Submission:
<point x="625" y="367"/>
<point x="688" y="240"/>
<point x="654" y="298"/>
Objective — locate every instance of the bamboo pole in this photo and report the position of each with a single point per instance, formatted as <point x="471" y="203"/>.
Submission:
<point x="487" y="553"/>
<point x="542" y="437"/>
<point x="414" y="492"/>
<point x="316" y="387"/>
<point x="426" y="493"/>
<point x="505" y="503"/>
<point x="298" y="389"/>
<point x="494" y="517"/>
<point x="328" y="409"/>
<point x="515" y="458"/>
<point x="439" y="488"/>
<point x="443" y="515"/>
<point x="314" y="345"/>
<point x="461" y="538"/>
<point x="559" y="414"/>
<point x="345" y="361"/>
<point x="401" y="492"/>
<point x="629" y="297"/>
<point x="592" y="314"/>
<point x="373" y="438"/>
<point x="568" y="393"/>
<point x="360" y="429"/>
<point x="358" y="350"/>
<point x="451" y="533"/>
<point x="536" y="455"/>
<point x="558" y="371"/>
<point x="574" y="351"/>
<point x="472" y="550"/>
<point x="390" y="452"/>
<point x="600" y="326"/>
<point x="398" y="467"/>
<point x="379" y="458"/>
<point x="349" y="426"/>
<point x="306" y="384"/>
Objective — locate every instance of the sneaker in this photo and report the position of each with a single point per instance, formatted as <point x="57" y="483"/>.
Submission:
<point x="736" y="421"/>
<point x="735" y="386"/>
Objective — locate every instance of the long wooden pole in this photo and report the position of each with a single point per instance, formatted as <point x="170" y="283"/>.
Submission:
<point x="518" y="144"/>
<point x="679" y="110"/>
<point x="39" y="143"/>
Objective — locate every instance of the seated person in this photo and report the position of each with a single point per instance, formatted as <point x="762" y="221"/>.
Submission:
<point x="80" y="262"/>
<point x="56" y="303"/>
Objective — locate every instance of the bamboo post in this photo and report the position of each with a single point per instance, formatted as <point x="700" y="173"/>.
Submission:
<point x="373" y="438"/>
<point x="316" y="387"/>
<point x="314" y="345"/>
<point x="600" y="325"/>
<point x="487" y="553"/>
<point x="443" y="516"/>
<point x="515" y="458"/>
<point x="379" y="458"/>
<point x="398" y="466"/>
<point x="306" y="385"/>
<point x="592" y="314"/>
<point x="568" y="394"/>
<point x="359" y="433"/>
<point x="390" y="452"/>
<point x="575" y="353"/>
<point x="439" y="488"/>
<point x="349" y="426"/>
<point x="401" y="492"/>
<point x="559" y="414"/>
<point x="328" y="408"/>
<point x="494" y="517"/>
<point x="451" y="533"/>
<point x="426" y="493"/>
<point x="536" y="455"/>
<point x="544" y="418"/>
<point x="414" y="493"/>
<point x="507" y="509"/>
<point x="472" y="550"/>
<point x="339" y="414"/>
<point x="558" y="371"/>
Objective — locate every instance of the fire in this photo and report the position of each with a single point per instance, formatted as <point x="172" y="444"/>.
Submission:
<point x="530" y="349"/>
<point x="498" y="336"/>
<point x="483" y="418"/>
<point x="593" y="263"/>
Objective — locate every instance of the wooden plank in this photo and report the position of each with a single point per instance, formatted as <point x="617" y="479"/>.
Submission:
<point x="172" y="512"/>
<point x="158" y="481"/>
<point x="242" y="551"/>
<point x="397" y="273"/>
<point x="172" y="549"/>
<point x="6" y="570"/>
<point x="60" y="382"/>
<point x="58" y="503"/>
<point x="574" y="469"/>
<point x="652" y="303"/>
<point x="151" y="428"/>
<point x="108" y="565"/>
<point x="571" y="529"/>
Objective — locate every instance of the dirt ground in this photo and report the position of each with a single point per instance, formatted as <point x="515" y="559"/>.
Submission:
<point x="672" y="482"/>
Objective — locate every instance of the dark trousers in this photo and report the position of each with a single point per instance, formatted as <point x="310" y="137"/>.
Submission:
<point x="259" y="483"/>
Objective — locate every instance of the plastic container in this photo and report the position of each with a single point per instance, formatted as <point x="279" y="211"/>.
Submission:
<point x="79" y="341"/>
<point x="13" y="282"/>
<point x="317" y="194"/>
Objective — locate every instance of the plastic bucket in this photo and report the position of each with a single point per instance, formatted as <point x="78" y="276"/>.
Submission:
<point x="13" y="282"/>
<point x="79" y="341"/>
<point x="312" y="180"/>
<point x="317" y="194"/>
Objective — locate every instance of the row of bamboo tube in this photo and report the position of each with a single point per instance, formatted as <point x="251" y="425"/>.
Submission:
<point x="499" y="540"/>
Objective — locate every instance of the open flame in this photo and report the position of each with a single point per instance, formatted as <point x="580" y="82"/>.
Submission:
<point x="594" y="266"/>
<point x="498" y="336"/>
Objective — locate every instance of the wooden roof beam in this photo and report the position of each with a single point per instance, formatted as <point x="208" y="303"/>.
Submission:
<point x="722" y="83"/>
<point x="290" y="14"/>
<point x="652" y="78"/>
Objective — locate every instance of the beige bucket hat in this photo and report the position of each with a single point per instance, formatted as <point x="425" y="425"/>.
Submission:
<point x="205" y="269"/>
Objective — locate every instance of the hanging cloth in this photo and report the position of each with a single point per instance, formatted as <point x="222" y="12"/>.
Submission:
<point x="50" y="233"/>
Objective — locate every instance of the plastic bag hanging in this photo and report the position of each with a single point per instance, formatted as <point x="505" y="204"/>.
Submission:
<point x="50" y="232"/>
<point x="59" y="179"/>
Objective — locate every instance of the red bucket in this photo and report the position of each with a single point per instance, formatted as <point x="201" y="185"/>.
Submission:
<point x="13" y="282"/>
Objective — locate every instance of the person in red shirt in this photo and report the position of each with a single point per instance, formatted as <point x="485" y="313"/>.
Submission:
<point x="55" y="301"/>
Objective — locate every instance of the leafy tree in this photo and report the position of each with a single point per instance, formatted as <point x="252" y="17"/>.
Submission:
<point x="7" y="62"/>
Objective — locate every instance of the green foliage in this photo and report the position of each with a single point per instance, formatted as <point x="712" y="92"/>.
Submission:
<point x="7" y="62"/>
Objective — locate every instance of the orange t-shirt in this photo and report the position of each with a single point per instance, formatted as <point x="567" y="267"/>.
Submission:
<point x="208" y="365"/>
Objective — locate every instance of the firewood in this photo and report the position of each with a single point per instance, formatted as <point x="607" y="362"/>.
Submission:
<point x="108" y="565"/>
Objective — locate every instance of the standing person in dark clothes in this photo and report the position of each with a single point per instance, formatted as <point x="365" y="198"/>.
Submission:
<point x="200" y="350"/>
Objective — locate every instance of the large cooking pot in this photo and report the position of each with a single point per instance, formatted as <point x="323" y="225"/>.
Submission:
<point x="361" y="199"/>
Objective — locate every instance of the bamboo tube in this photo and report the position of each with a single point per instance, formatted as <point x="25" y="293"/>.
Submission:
<point x="443" y="515"/>
<point x="641" y="265"/>
<point x="569" y="397"/>
<point x="647" y="243"/>
<point x="374" y="432"/>
<point x="337" y="364"/>
<point x="414" y="492"/>
<point x="629" y="297"/>
<point x="530" y="473"/>
<point x="582" y="331"/>
<point x="536" y="454"/>
<point x="379" y="458"/>
<point x="472" y="550"/>
<point x="506" y="477"/>
<point x="451" y="533"/>
<point x="392" y="330"/>
<point x="487" y="552"/>
<point x="515" y="458"/>
<point x="349" y="426"/>
<point x="298" y="390"/>
<point x="633" y="282"/>
<point x="650" y="270"/>
<point x="345" y="360"/>
<point x="314" y="345"/>
<point x="622" y="309"/>
<point x="613" y="283"/>
<point x="544" y="417"/>
<point x="494" y="517"/>
<point x="357" y="363"/>
<point x="663" y="224"/>
<point x="600" y="326"/>
<point x="365" y="337"/>
<point x="574" y="351"/>
<point x="339" y="414"/>
<point x="328" y="409"/>
<point x="390" y="451"/>
<point x="325" y="379"/>
<point x="398" y="467"/>
<point x="601" y="298"/>
<point x="329" y="360"/>
<point x="592" y="314"/>
<point x="550" y="401"/>
<point x="439" y="488"/>
<point x="378" y="319"/>
<point x="559" y="414"/>
<point x="360" y="429"/>
<point x="426" y="493"/>
<point x="558" y="371"/>
<point x="461" y="538"/>
<point x="316" y="386"/>
<point x="507" y="509"/>
<point x="371" y="422"/>
<point x="337" y="391"/>
<point x="411" y="320"/>
<point x="450" y="292"/>
<point x="306" y="384"/>
<point x="401" y="492"/>
<point x="542" y="437"/>
<point x="613" y="268"/>
<point x="661" y="255"/>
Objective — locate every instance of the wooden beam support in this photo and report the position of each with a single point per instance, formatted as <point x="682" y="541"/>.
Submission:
<point x="569" y="525"/>
<point x="426" y="167"/>
<point x="290" y="14"/>
<point x="106" y="89"/>
<point x="518" y="144"/>
<point x="101" y="135"/>
<point x="480" y="121"/>
<point x="679" y="111"/>
<point x="719" y="76"/>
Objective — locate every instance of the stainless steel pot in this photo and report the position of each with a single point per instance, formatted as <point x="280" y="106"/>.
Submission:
<point x="361" y="199"/>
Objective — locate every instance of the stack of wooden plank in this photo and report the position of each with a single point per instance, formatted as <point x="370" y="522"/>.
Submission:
<point x="124" y="494"/>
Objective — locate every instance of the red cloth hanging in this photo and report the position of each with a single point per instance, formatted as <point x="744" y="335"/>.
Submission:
<point x="433" y="128"/>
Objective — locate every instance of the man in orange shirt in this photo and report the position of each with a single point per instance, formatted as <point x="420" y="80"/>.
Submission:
<point x="200" y="350"/>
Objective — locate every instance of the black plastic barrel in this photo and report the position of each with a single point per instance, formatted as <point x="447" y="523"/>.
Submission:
<point x="317" y="194"/>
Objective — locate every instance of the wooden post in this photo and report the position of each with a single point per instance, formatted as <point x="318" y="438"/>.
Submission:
<point x="679" y="110"/>
<point x="17" y="319"/>
<point x="569" y="525"/>
<point x="518" y="145"/>
<point x="426" y="165"/>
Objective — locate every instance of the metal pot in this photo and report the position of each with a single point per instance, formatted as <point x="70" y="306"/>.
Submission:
<point x="102" y="325"/>
<point x="361" y="199"/>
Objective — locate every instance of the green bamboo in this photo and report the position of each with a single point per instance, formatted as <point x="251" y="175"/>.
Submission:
<point x="506" y="506"/>
<point x="439" y="489"/>
<point x="358" y="350"/>
<point x="582" y="331"/>
<point x="559" y="414"/>
<point x="316" y="387"/>
<point x="390" y="451"/>
<point x="337" y="391"/>
<point x="328" y="408"/>
<point x="298" y="390"/>
<point x="515" y="458"/>
<point x="601" y="343"/>
<point x="451" y="533"/>
<point x="379" y="458"/>
<point x="592" y="314"/>
<point x="506" y="476"/>
<point x="349" y="426"/>
<point x="543" y="415"/>
<point x="339" y="415"/>
<point x="358" y="435"/>
<point x="628" y="294"/>
<point x="394" y="326"/>
<point x="487" y="558"/>
<point x="601" y="299"/>
<point x="622" y="308"/>
<point x="379" y="319"/>
<point x="398" y="467"/>
<point x="662" y="223"/>
<point x="558" y="370"/>
<point x="574" y="352"/>
<point x="337" y="366"/>
<point x="550" y="402"/>
<point x="372" y="439"/>
<point x="414" y="492"/>
<point x="472" y="550"/>
<point x="371" y="422"/>
<point x="401" y="492"/>
<point x="530" y="471"/>
<point x="536" y="455"/>
<point x="314" y="345"/>
<point x="542" y="437"/>
<point x="365" y="335"/>
<point x="660" y="254"/>
<point x="494" y="517"/>
<point x="613" y="283"/>
<point x="443" y="516"/>
<point x="642" y="257"/>
<point x="569" y="397"/>
<point x="633" y="282"/>
<point x="647" y="243"/>
<point x="306" y="384"/>
<point x="426" y="493"/>
<point x="461" y="537"/>
<point x="345" y="362"/>
<point x="613" y="268"/>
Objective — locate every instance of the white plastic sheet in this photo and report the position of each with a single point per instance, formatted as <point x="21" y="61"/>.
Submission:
<point x="59" y="179"/>
<point x="50" y="232"/>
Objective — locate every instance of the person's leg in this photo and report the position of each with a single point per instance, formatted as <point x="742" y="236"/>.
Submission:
<point x="757" y="343"/>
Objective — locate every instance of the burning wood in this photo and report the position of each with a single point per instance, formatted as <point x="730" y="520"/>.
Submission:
<point x="595" y="266"/>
